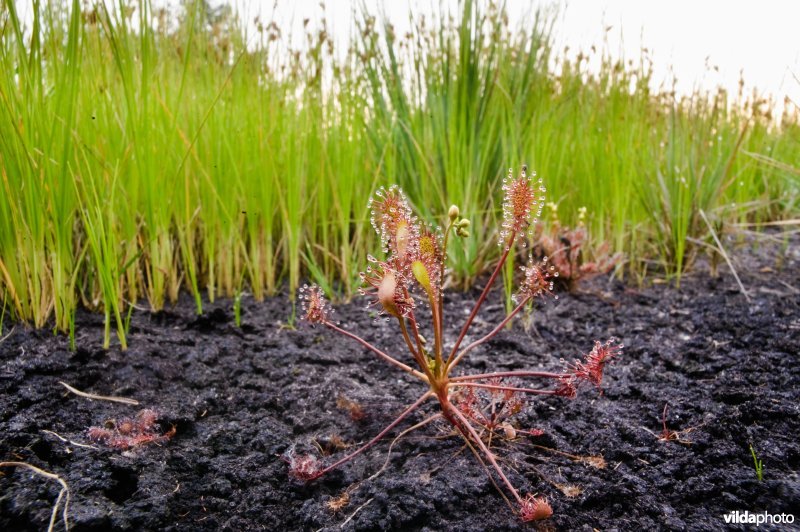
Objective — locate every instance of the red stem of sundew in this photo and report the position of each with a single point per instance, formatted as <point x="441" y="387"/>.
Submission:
<point x="418" y="355"/>
<point x="494" y="331"/>
<point x="423" y="363"/>
<point x="482" y="297"/>
<point x="377" y="438"/>
<point x="505" y="388"/>
<point x="484" y="376"/>
<point x="441" y="281"/>
<point x="407" y="338"/>
<point x="437" y="333"/>
<point x="387" y="358"/>
<point x="489" y="456"/>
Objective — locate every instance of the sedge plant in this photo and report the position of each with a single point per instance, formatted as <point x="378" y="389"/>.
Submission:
<point x="414" y="268"/>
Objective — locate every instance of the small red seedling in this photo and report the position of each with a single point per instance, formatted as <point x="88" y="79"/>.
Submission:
<point x="303" y="467"/>
<point x="565" y="248"/>
<point x="355" y="410"/>
<point x="414" y="266"/>
<point x="668" y="434"/>
<point x="127" y="433"/>
<point x="535" y="508"/>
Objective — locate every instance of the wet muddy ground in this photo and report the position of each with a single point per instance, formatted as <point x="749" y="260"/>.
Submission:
<point x="241" y="398"/>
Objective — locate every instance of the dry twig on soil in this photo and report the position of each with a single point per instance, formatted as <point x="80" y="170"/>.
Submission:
<point x="62" y="495"/>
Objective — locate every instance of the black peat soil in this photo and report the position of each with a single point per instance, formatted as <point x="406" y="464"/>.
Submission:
<point x="241" y="399"/>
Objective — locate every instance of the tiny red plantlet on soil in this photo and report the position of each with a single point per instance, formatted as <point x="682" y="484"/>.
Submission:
<point x="668" y="434"/>
<point x="565" y="249"/>
<point x="127" y="433"/>
<point x="414" y="266"/>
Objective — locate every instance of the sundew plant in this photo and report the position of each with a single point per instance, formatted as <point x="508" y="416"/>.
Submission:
<point x="413" y="273"/>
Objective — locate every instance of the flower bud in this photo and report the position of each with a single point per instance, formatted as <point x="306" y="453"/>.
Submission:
<point x="453" y="213"/>
<point x="581" y="216"/>
<point x="464" y="223"/>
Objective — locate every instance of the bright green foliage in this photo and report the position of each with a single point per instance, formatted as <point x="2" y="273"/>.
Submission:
<point x="757" y="464"/>
<point x="144" y="152"/>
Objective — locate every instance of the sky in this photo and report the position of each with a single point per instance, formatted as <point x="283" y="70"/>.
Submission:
<point x="758" y="39"/>
<point x="703" y="43"/>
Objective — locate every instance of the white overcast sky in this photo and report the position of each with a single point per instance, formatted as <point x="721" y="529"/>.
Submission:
<point x="759" y="37"/>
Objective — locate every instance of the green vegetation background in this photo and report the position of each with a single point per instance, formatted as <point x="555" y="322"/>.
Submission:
<point x="144" y="152"/>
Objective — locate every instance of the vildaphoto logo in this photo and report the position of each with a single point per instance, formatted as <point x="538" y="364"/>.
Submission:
<point x="764" y="518"/>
